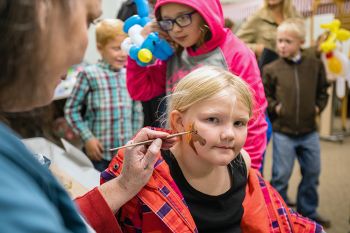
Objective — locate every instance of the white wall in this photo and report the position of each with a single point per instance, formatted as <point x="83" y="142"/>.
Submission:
<point x="110" y="9"/>
<point x="317" y="21"/>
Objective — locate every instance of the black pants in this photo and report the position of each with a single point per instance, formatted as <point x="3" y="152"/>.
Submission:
<point x="153" y="110"/>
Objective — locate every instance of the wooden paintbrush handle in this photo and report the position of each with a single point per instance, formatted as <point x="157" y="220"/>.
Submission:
<point x="150" y="141"/>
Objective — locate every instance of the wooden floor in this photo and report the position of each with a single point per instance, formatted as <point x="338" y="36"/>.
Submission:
<point x="334" y="188"/>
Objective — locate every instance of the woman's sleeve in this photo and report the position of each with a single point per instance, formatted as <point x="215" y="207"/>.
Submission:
<point x="145" y="83"/>
<point x="24" y="207"/>
<point x="97" y="212"/>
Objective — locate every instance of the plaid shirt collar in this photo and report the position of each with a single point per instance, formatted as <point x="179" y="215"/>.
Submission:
<point x="106" y="66"/>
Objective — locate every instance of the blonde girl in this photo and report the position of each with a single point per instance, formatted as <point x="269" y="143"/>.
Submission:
<point x="196" y="28"/>
<point x="204" y="182"/>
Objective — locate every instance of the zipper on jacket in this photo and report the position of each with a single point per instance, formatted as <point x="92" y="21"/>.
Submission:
<point x="297" y="85"/>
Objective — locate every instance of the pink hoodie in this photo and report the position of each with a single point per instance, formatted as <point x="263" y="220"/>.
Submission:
<point x="224" y="50"/>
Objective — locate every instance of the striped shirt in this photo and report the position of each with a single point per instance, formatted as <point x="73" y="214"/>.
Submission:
<point x="110" y="114"/>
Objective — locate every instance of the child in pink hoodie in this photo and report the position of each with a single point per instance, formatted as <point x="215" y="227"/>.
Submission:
<point x="196" y="28"/>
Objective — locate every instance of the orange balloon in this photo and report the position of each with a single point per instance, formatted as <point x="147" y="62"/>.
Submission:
<point x="335" y="65"/>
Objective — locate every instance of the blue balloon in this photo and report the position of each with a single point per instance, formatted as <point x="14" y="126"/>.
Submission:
<point x="140" y="63"/>
<point x="144" y="21"/>
<point x="133" y="20"/>
<point x="149" y="43"/>
<point x="142" y="8"/>
<point x="134" y="50"/>
<point x="159" y="48"/>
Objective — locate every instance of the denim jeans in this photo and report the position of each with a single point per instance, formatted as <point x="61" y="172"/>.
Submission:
<point x="306" y="149"/>
<point x="268" y="137"/>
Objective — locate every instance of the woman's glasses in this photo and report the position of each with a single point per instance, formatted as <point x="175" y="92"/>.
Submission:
<point x="181" y="20"/>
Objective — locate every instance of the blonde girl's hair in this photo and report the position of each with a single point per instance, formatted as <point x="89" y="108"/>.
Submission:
<point x="108" y="29"/>
<point x="293" y="25"/>
<point x="204" y="83"/>
<point x="289" y="10"/>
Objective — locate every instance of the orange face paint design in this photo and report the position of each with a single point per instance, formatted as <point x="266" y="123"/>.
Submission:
<point x="188" y="137"/>
<point x="194" y="137"/>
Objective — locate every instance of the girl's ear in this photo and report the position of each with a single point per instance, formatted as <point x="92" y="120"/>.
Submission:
<point x="176" y="121"/>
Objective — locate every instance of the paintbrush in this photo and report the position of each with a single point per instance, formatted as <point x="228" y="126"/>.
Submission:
<point x="150" y="141"/>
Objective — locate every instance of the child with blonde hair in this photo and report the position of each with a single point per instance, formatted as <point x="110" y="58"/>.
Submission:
<point x="111" y="117"/>
<point x="204" y="182"/>
<point x="196" y="29"/>
<point x="296" y="89"/>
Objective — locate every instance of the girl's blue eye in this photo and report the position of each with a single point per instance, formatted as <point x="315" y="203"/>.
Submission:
<point x="240" y="123"/>
<point x="213" y="120"/>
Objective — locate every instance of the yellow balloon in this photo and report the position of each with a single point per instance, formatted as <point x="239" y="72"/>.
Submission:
<point x="145" y="55"/>
<point x="327" y="46"/>
<point x="343" y="34"/>
<point x="336" y="33"/>
<point x="335" y="65"/>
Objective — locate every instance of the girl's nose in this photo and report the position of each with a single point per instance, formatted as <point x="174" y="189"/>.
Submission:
<point x="176" y="28"/>
<point x="228" y="133"/>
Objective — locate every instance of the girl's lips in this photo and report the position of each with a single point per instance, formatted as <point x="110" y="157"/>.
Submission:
<point x="181" y="38"/>
<point x="225" y="147"/>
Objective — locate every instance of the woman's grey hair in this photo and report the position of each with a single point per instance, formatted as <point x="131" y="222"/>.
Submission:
<point x="22" y="46"/>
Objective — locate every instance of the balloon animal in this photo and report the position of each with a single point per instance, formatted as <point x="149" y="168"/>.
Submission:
<point x="141" y="49"/>
<point x="336" y="62"/>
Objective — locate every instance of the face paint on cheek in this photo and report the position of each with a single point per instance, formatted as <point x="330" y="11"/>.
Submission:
<point x="188" y="137"/>
<point x="194" y="137"/>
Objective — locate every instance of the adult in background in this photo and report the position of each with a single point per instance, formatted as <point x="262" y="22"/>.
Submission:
<point x="259" y="30"/>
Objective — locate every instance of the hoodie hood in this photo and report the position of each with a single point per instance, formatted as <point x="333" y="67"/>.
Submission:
<point x="211" y="11"/>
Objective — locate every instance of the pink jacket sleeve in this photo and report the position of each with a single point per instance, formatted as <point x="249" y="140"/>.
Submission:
<point x="145" y="83"/>
<point x="97" y="213"/>
<point x="243" y="63"/>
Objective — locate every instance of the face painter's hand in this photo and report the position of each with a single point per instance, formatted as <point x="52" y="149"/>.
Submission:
<point x="139" y="161"/>
<point x="138" y="166"/>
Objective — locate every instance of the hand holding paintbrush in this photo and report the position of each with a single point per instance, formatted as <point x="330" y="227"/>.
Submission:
<point x="150" y="141"/>
<point x="192" y="136"/>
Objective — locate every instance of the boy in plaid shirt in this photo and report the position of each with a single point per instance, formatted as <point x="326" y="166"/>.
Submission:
<point x="111" y="117"/>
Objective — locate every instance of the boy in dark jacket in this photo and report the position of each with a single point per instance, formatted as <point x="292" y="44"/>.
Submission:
<point x="296" y="90"/>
